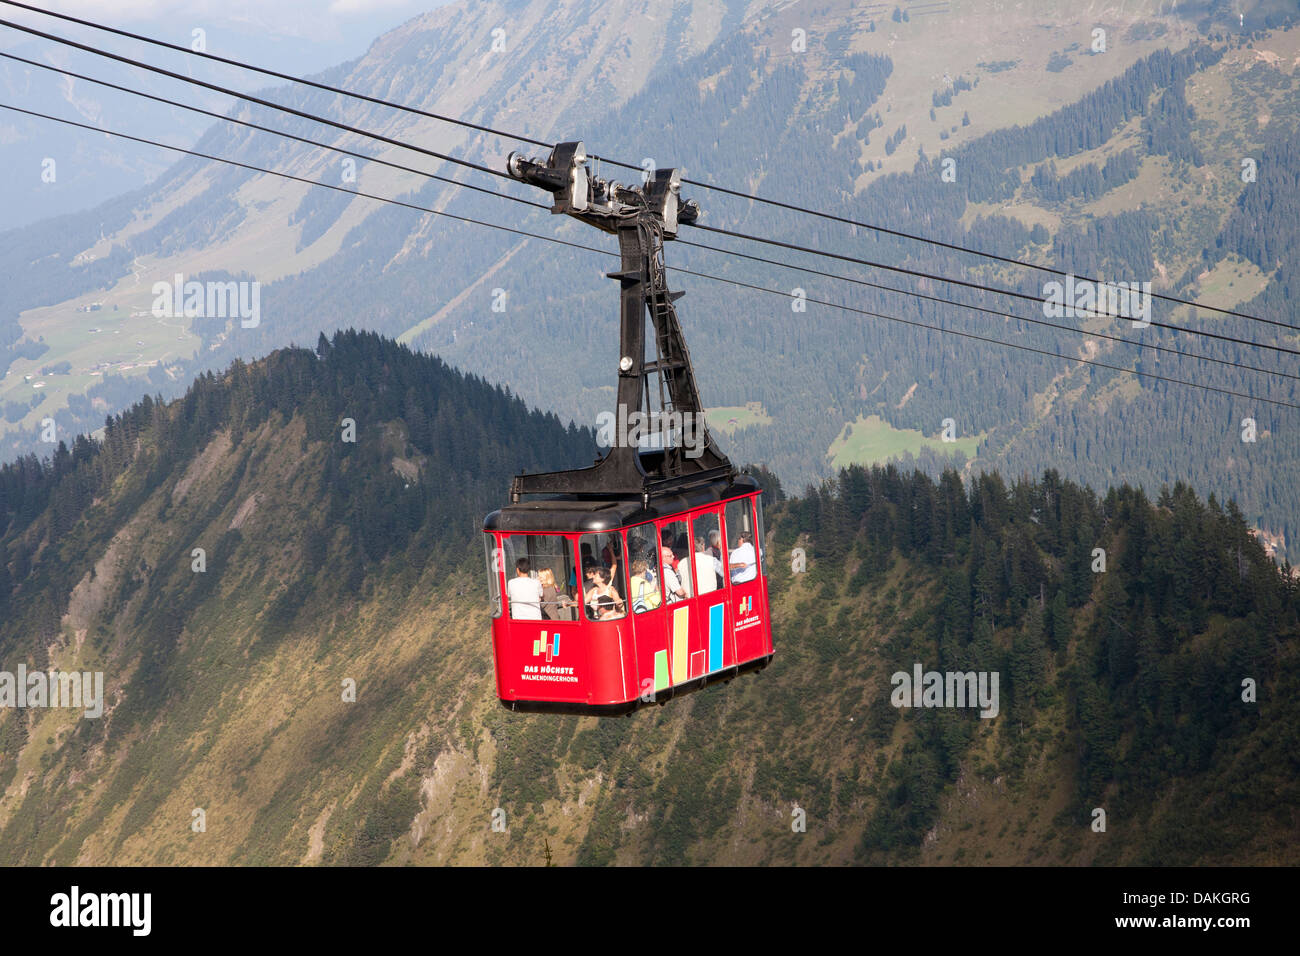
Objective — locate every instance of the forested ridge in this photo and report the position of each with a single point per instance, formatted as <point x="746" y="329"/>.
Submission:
<point x="356" y="376"/>
<point x="1139" y="636"/>
<point x="1122" y="689"/>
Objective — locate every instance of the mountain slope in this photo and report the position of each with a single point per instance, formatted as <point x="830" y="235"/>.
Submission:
<point x="328" y="561"/>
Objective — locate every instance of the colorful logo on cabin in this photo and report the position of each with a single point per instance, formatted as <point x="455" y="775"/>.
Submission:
<point x="676" y="663"/>
<point x="746" y="605"/>
<point x="550" y="648"/>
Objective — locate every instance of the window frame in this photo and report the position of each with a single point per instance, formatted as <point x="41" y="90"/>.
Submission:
<point x="712" y="511"/>
<point x="627" y="550"/>
<point x="662" y="525"/>
<point x="728" y="547"/>
<point x="494" y="554"/>
<point x="618" y="535"/>
<point x="508" y="557"/>
<point x="759" y="534"/>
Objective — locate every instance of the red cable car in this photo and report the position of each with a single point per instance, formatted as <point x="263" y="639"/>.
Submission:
<point x="643" y="576"/>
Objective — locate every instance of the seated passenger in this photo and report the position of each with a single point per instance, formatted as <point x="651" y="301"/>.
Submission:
<point x="645" y="593"/>
<point x="555" y="604"/>
<point x="609" y="562"/>
<point x="525" y="594"/>
<point x="606" y="609"/>
<point x="601" y="588"/>
<point x="651" y="574"/>
<point x="705" y="563"/>
<point x="684" y="570"/>
<point x="666" y="549"/>
<point x="609" y="555"/>
<point x="673" y="590"/>
<point x="742" y="560"/>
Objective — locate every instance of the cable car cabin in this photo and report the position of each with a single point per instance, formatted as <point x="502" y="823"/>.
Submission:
<point x="641" y="577"/>
<point x="603" y="607"/>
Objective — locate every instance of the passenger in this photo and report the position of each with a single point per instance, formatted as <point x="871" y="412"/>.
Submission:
<point x="666" y="549"/>
<point x="673" y="590"/>
<point x="645" y="593"/>
<point x="555" y="605"/>
<point x="683" y="566"/>
<point x="606" y="608"/>
<point x="609" y="555"/>
<point x="601" y="588"/>
<point x="525" y="594"/>
<point x="742" y="560"/>
<point x="704" y="562"/>
<point x="651" y="574"/>
<point x="615" y="576"/>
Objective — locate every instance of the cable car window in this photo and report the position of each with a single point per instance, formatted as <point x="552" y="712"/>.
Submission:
<point x="760" y="538"/>
<point x="642" y="549"/>
<point x="494" y="564"/>
<point x="708" y="553"/>
<point x="742" y="559"/>
<point x="604" y="587"/>
<point x="540" y="577"/>
<point x="675" y="550"/>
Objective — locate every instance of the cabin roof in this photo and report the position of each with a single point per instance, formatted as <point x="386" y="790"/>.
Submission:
<point x="569" y="514"/>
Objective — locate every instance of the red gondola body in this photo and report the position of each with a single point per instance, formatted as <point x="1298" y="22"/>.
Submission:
<point x="571" y="663"/>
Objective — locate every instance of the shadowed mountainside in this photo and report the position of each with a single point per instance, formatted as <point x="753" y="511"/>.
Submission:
<point x="327" y="561"/>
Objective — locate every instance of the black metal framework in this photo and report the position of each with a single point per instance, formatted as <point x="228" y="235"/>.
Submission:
<point x="642" y="219"/>
<point x="570" y="514"/>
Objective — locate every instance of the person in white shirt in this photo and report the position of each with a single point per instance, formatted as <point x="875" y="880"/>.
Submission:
<point x="525" y="594"/>
<point x="742" y="561"/>
<point x="707" y="567"/>
<point x="673" y="589"/>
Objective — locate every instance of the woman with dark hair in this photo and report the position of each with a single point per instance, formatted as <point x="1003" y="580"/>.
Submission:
<point x="606" y="608"/>
<point x="601" y="588"/>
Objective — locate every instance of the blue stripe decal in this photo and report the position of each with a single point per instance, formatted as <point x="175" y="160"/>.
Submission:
<point x="556" y="652"/>
<point x="715" y="638"/>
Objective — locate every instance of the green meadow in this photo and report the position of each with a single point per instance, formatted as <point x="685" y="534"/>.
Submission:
<point x="870" y="440"/>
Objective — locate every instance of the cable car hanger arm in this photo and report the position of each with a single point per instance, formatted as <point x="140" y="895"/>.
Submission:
<point x="643" y="219"/>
